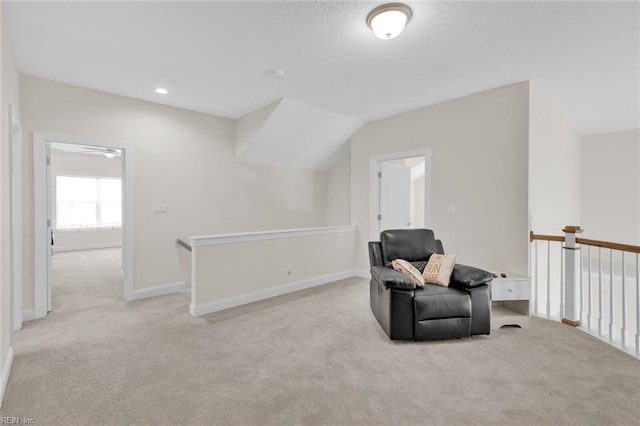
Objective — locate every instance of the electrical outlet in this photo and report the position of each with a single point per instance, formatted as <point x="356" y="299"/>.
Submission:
<point x="451" y="208"/>
<point x="289" y="269"/>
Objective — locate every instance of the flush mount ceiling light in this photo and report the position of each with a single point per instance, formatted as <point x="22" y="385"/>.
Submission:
<point x="388" y="20"/>
<point x="162" y="90"/>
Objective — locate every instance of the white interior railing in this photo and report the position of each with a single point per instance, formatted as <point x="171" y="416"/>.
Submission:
<point x="606" y="286"/>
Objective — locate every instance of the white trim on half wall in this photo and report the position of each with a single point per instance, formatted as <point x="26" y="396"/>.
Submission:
<point x="212" y="240"/>
<point x="42" y="241"/>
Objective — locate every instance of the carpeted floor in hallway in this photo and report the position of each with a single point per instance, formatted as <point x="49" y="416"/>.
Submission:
<point x="311" y="357"/>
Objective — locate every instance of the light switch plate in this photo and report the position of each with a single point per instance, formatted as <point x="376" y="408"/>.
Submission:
<point x="159" y="208"/>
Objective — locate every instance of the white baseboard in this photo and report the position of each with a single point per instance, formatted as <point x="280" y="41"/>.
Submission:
<point x="28" y="315"/>
<point x="159" y="290"/>
<point x="86" y="247"/>
<point x="6" y="370"/>
<point x="361" y="273"/>
<point x="186" y="293"/>
<point x="243" y="299"/>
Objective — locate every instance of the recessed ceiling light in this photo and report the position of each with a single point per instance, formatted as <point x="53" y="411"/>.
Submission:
<point x="162" y="90"/>
<point x="388" y="21"/>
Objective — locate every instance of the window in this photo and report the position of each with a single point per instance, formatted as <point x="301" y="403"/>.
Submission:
<point x="88" y="202"/>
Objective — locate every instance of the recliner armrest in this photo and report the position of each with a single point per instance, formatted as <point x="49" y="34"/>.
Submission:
<point x="391" y="278"/>
<point x="469" y="276"/>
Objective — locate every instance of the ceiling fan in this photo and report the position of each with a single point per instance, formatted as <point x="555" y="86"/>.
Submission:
<point x="107" y="152"/>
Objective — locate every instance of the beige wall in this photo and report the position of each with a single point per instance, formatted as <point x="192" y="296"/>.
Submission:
<point x="554" y="167"/>
<point x="479" y="162"/>
<point x="9" y="95"/>
<point x="75" y="164"/>
<point x="611" y="186"/>
<point x="84" y="240"/>
<point x="554" y="187"/>
<point x="182" y="158"/>
<point x="5" y="332"/>
<point x="338" y="180"/>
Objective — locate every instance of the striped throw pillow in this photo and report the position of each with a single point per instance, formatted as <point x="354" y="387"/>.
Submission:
<point x="409" y="270"/>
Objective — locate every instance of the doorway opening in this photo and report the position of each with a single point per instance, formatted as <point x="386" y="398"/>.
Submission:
<point x="86" y="225"/>
<point x="83" y="195"/>
<point x="400" y="191"/>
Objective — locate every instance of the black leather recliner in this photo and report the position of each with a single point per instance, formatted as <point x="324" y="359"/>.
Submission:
<point x="407" y="312"/>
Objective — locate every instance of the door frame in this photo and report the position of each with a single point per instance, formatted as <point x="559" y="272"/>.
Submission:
<point x="374" y="187"/>
<point x="42" y="241"/>
<point x="17" y="231"/>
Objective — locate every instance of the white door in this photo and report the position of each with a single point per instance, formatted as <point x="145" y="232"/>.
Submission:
<point x="394" y="210"/>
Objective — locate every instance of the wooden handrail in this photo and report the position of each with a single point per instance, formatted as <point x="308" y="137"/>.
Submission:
<point x="609" y="245"/>
<point x="588" y="242"/>
<point x="542" y="237"/>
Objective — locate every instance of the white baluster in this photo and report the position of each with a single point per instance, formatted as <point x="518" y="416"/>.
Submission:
<point x="535" y="306"/>
<point x="610" y="295"/>
<point x="623" y="330"/>
<point x="581" y="290"/>
<point x="589" y="295"/>
<point x="637" y="308"/>
<point x="548" y="279"/>
<point x="561" y="311"/>
<point x="599" y="291"/>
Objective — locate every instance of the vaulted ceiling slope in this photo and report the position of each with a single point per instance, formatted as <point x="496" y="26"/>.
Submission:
<point x="289" y="133"/>
<point x="213" y="56"/>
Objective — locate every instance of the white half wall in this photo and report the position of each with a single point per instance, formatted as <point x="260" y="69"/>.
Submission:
<point x="230" y="270"/>
<point x="611" y="186"/>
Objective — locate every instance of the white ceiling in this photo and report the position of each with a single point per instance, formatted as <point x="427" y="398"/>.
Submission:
<point x="212" y="56"/>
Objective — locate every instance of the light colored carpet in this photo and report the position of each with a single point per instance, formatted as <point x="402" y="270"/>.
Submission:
<point x="312" y="357"/>
<point x="85" y="279"/>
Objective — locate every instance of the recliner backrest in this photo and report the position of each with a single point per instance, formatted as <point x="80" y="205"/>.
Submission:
<point x="375" y="254"/>
<point x="407" y="244"/>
